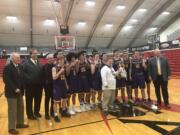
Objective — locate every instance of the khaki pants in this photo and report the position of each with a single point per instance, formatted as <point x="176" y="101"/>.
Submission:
<point x="15" y="111"/>
<point x="108" y="99"/>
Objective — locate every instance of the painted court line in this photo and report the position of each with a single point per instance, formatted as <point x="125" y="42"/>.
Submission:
<point x="70" y="126"/>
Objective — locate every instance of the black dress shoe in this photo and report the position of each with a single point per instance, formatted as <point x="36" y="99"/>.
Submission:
<point x="52" y="114"/>
<point x="167" y="106"/>
<point x="47" y="117"/>
<point x="38" y="115"/>
<point x="57" y="119"/>
<point x="22" y="126"/>
<point x="13" y="131"/>
<point x="32" y="118"/>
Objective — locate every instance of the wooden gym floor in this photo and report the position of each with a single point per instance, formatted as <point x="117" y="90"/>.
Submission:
<point x="92" y="122"/>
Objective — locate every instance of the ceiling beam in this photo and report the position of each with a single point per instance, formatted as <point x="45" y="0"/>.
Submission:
<point x="98" y="19"/>
<point x="70" y="6"/>
<point x="150" y="20"/>
<point x="171" y="21"/>
<point x="125" y="20"/>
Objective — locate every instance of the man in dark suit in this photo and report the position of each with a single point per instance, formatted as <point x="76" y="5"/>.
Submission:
<point x="48" y="85"/>
<point x="33" y="78"/>
<point x="13" y="79"/>
<point x="159" y="72"/>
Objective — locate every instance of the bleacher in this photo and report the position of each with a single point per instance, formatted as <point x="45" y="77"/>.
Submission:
<point x="173" y="56"/>
<point x="3" y="62"/>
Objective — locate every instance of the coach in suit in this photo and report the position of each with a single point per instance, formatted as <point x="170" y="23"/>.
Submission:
<point x="159" y="72"/>
<point x="48" y="85"/>
<point x="13" y="79"/>
<point x="33" y="79"/>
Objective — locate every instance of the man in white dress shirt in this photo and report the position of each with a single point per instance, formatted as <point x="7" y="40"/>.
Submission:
<point x="108" y="84"/>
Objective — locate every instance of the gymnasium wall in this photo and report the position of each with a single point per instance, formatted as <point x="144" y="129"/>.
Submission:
<point x="171" y="33"/>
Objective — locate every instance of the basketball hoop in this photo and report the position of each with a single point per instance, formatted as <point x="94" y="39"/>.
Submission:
<point x="65" y="42"/>
<point x="153" y="40"/>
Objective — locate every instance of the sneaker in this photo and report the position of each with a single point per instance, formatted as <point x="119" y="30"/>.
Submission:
<point x="65" y="113"/>
<point x="149" y="100"/>
<point x="71" y="111"/>
<point x="87" y="107"/>
<point x="99" y="104"/>
<point x="123" y="101"/>
<point x="130" y="101"/>
<point x="136" y="102"/>
<point x="116" y="101"/>
<point x="77" y="109"/>
<point x="56" y="119"/>
<point x="105" y="113"/>
<point x="143" y="101"/>
<point x="82" y="107"/>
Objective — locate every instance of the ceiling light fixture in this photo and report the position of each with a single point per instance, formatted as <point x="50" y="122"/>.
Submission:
<point x="142" y="10"/>
<point x="165" y="13"/>
<point x="128" y="27"/>
<point x="153" y="28"/>
<point x="90" y="3"/>
<point x="134" y="20"/>
<point x="109" y="25"/>
<point x="49" y="22"/>
<point x="11" y="18"/>
<point x="82" y="23"/>
<point x="120" y="7"/>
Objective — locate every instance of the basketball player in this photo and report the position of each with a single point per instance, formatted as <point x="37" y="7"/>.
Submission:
<point x="127" y="61"/>
<point x="96" y="79"/>
<point x="137" y="76"/>
<point x="83" y="82"/>
<point x="72" y="79"/>
<point x="147" y="80"/>
<point x="60" y="88"/>
<point x="117" y="62"/>
<point x="122" y="81"/>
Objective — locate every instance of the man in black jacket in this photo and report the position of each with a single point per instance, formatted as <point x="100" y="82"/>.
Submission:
<point x="13" y="79"/>
<point x="48" y="85"/>
<point x="33" y="79"/>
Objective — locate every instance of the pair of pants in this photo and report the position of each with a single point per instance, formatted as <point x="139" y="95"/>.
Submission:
<point x="108" y="99"/>
<point x="159" y="83"/>
<point x="33" y="92"/>
<point x="15" y="111"/>
<point x="48" y="88"/>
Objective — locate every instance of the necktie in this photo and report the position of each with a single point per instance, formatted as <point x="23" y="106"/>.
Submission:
<point x="17" y="68"/>
<point x="158" y="66"/>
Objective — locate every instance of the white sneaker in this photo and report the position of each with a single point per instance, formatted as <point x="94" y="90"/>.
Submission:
<point x="70" y="110"/>
<point x="77" y="109"/>
<point x="87" y="107"/>
<point x="82" y="107"/>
